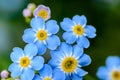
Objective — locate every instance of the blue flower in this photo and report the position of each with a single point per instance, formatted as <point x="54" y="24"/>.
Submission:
<point x="112" y="69"/>
<point x="77" y="30"/>
<point x="46" y="73"/>
<point x="42" y="34"/>
<point x="25" y="62"/>
<point x="70" y="60"/>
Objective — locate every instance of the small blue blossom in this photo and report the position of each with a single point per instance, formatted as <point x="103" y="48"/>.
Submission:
<point x="70" y="60"/>
<point x="25" y="62"/>
<point x="46" y="73"/>
<point x="42" y="34"/>
<point x="77" y="30"/>
<point x="112" y="69"/>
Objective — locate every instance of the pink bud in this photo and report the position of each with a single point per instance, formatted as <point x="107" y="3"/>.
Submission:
<point x="4" y="74"/>
<point x="26" y="13"/>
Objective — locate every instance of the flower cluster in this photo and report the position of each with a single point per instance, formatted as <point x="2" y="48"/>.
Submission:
<point x="28" y="12"/>
<point x="41" y="11"/>
<point x="67" y="57"/>
<point x="112" y="69"/>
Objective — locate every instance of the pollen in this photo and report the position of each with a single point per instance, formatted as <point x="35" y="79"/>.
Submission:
<point x="115" y="75"/>
<point x="24" y="62"/>
<point x="69" y="64"/>
<point x="78" y="30"/>
<point x="47" y="78"/>
<point x="41" y="35"/>
<point x="43" y="13"/>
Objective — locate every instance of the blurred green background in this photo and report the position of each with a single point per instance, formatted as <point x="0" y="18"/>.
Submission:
<point x="104" y="15"/>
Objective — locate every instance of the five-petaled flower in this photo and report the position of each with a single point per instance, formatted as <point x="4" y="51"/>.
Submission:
<point x="112" y="69"/>
<point x="25" y="62"/>
<point x="42" y="34"/>
<point x="42" y="11"/>
<point x="70" y="60"/>
<point x="77" y="30"/>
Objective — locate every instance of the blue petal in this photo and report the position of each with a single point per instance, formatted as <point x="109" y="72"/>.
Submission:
<point x="66" y="48"/>
<point x="84" y="60"/>
<point x="37" y="23"/>
<point x="68" y="77"/>
<point x="53" y="42"/>
<point x="30" y="50"/>
<point x="57" y="54"/>
<point x="15" y="70"/>
<point x="76" y="77"/>
<point x="54" y="63"/>
<point x="28" y="74"/>
<point x="41" y="47"/>
<point x="81" y="72"/>
<point x="29" y="36"/>
<point x="16" y="54"/>
<point x="70" y="37"/>
<point x="37" y="62"/>
<point x="83" y="42"/>
<point x="67" y="24"/>
<point x="102" y="73"/>
<point x="37" y="77"/>
<point x="113" y="61"/>
<point x="52" y="27"/>
<point x="46" y="71"/>
<point x="90" y="31"/>
<point x="77" y="51"/>
<point x="90" y="28"/>
<point x="58" y="75"/>
<point x="80" y="20"/>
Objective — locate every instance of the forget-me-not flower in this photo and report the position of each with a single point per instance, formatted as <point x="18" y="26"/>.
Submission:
<point x="77" y="30"/>
<point x="42" y="34"/>
<point x="42" y="11"/>
<point x="70" y="60"/>
<point x="112" y="69"/>
<point x="25" y="62"/>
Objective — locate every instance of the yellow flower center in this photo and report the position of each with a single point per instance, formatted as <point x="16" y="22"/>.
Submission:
<point x="43" y="13"/>
<point x="69" y="64"/>
<point x="115" y="75"/>
<point x="78" y="29"/>
<point x="47" y="78"/>
<point x="41" y="35"/>
<point x="24" y="62"/>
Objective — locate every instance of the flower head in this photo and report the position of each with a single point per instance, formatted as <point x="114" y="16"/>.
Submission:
<point x="4" y="74"/>
<point x="46" y="73"/>
<point x="69" y="60"/>
<point x="77" y="30"/>
<point x="25" y="62"/>
<point x="112" y="69"/>
<point x="42" y="34"/>
<point x="42" y="11"/>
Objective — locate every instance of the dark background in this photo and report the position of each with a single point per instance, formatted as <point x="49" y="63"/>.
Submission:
<point x="104" y="15"/>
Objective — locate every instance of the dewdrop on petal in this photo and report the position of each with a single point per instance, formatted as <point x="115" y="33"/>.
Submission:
<point x="4" y="74"/>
